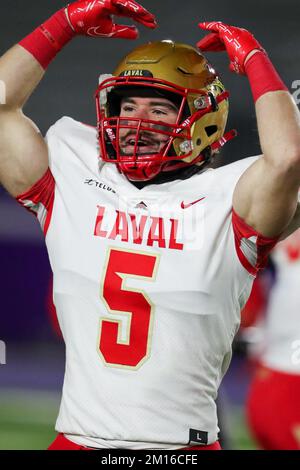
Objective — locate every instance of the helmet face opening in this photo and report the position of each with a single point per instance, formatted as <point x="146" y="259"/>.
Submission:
<point x="143" y="147"/>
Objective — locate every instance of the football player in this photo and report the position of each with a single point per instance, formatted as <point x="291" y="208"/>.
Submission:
<point x="153" y="253"/>
<point x="273" y="407"/>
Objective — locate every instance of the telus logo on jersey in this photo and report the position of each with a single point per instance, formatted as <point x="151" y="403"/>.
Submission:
<point x="138" y="229"/>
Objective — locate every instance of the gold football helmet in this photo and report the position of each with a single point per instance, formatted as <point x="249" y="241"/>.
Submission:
<point x="181" y="74"/>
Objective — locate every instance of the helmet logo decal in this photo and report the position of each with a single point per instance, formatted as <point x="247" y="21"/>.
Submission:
<point x="109" y="132"/>
<point x="136" y="73"/>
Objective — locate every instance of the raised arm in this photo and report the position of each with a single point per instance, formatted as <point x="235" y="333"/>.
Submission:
<point x="23" y="151"/>
<point x="266" y="194"/>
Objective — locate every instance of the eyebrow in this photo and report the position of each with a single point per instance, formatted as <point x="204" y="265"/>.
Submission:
<point x="170" y="106"/>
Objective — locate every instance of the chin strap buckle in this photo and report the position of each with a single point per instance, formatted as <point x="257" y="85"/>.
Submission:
<point x="226" y="137"/>
<point x="186" y="146"/>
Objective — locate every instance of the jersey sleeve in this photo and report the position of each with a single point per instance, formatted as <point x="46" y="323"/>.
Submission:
<point x="252" y="248"/>
<point x="72" y="150"/>
<point x="39" y="199"/>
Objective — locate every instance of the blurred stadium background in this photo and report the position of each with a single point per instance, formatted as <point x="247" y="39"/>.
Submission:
<point x="31" y="379"/>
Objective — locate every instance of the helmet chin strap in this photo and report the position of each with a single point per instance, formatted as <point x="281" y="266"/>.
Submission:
<point x="149" y="173"/>
<point x="224" y="139"/>
<point x="145" y="171"/>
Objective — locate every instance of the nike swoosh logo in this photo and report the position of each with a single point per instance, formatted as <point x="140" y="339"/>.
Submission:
<point x="96" y="31"/>
<point x="189" y="204"/>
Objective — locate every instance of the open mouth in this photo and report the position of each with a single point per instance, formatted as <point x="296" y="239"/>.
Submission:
<point x="140" y="147"/>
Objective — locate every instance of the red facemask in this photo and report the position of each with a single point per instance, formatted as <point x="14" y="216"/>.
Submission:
<point x="149" y="148"/>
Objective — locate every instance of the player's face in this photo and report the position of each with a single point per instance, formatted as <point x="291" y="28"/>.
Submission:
<point x="154" y="109"/>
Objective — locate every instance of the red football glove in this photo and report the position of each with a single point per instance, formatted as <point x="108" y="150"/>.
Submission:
<point x="93" y="18"/>
<point x="237" y="42"/>
<point x="89" y="18"/>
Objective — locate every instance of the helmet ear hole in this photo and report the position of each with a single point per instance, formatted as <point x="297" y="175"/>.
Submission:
<point x="210" y="130"/>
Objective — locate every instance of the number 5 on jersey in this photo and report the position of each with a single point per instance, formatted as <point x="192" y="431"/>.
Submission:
<point x="134" y="304"/>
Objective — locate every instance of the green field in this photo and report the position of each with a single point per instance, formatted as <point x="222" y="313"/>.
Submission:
<point x="27" y="420"/>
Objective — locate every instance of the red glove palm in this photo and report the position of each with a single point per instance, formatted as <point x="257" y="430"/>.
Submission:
<point x="93" y="18"/>
<point x="238" y="43"/>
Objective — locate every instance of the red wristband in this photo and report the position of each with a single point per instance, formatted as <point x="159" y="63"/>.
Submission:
<point x="262" y="75"/>
<point x="49" y="38"/>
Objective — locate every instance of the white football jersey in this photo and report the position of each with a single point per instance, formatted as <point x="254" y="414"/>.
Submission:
<point x="148" y="287"/>
<point x="281" y="328"/>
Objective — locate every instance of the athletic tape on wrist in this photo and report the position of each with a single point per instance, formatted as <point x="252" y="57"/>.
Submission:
<point x="262" y="75"/>
<point x="49" y="38"/>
